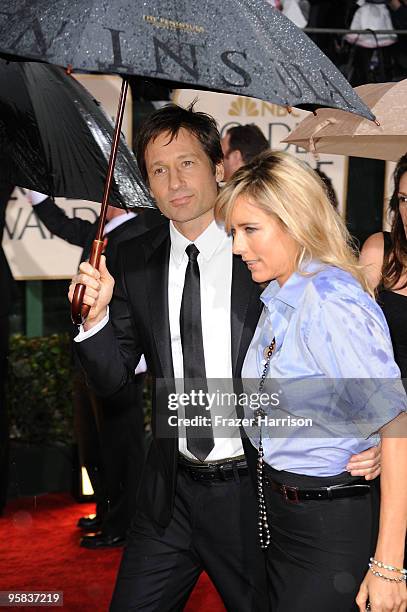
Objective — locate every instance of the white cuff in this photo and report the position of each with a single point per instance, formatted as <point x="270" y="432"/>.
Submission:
<point x="84" y="335"/>
<point x="36" y="197"/>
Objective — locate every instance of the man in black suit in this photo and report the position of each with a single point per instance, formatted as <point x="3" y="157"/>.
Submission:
<point x="6" y="300"/>
<point x="239" y="145"/>
<point x="109" y="431"/>
<point x="190" y="306"/>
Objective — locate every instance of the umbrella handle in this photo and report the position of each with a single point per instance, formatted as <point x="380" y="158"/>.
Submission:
<point x="79" y="310"/>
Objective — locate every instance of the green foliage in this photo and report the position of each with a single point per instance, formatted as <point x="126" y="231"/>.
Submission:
<point x="39" y="389"/>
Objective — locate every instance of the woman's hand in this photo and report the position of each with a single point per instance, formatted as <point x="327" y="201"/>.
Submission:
<point x="382" y="596"/>
<point x="366" y="464"/>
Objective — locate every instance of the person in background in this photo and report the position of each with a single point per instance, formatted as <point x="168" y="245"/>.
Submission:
<point x="6" y="301"/>
<point x="385" y="256"/>
<point x="296" y="10"/>
<point x="109" y="431"/>
<point x="398" y="14"/>
<point x="319" y="324"/>
<point x="239" y="145"/>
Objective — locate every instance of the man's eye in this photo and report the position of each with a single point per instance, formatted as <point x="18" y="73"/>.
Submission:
<point x="187" y="163"/>
<point x="158" y="171"/>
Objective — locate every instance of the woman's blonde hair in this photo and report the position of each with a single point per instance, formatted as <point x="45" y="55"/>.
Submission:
<point x="287" y="188"/>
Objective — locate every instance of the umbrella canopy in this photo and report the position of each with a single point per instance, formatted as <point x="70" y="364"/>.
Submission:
<point x="335" y="131"/>
<point x="244" y="47"/>
<point x="55" y="138"/>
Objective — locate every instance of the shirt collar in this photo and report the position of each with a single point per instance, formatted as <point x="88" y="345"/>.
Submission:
<point x="207" y="243"/>
<point x="292" y="290"/>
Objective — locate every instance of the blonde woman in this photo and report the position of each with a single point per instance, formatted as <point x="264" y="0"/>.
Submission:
<point x="319" y="324"/>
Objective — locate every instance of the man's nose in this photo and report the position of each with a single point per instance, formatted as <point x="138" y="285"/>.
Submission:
<point x="175" y="179"/>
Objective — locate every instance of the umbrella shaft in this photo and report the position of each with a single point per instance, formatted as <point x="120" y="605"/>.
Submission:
<point x="79" y="310"/>
<point x="112" y="159"/>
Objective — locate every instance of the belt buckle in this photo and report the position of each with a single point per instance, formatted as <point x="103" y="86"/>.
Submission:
<point x="288" y="491"/>
<point x="223" y="470"/>
<point x="194" y="475"/>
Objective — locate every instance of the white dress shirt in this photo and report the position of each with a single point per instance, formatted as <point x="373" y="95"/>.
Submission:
<point x="215" y="262"/>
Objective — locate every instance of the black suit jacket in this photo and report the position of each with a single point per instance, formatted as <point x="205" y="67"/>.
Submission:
<point x="139" y="323"/>
<point x="7" y="287"/>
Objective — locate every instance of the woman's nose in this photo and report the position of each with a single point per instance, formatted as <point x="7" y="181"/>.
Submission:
<point x="238" y="243"/>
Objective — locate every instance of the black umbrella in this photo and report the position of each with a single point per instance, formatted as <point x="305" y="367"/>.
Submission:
<point x="55" y="138"/>
<point x="235" y="46"/>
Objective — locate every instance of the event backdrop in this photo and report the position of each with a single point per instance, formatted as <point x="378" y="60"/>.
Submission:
<point x="34" y="253"/>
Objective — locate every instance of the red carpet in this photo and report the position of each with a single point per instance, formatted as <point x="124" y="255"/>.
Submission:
<point x="39" y="551"/>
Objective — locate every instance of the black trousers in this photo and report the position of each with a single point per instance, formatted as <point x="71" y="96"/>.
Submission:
<point x="121" y="436"/>
<point x="213" y="529"/>
<point x="319" y="551"/>
<point x="86" y="428"/>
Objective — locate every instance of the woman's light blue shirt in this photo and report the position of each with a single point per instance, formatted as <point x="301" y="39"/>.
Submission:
<point x="333" y="363"/>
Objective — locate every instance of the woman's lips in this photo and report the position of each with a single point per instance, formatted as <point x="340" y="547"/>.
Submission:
<point x="251" y="263"/>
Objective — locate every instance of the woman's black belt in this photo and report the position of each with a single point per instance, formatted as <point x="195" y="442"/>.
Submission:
<point x="296" y="494"/>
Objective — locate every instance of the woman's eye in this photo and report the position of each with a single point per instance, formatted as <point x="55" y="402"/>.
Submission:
<point x="187" y="163"/>
<point x="158" y="171"/>
<point x="402" y="199"/>
<point x="250" y="230"/>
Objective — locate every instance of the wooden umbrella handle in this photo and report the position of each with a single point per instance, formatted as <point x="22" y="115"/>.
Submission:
<point x="79" y="310"/>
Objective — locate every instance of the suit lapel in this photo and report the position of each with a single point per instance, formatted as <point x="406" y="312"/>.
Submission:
<point x="245" y="312"/>
<point x="157" y="264"/>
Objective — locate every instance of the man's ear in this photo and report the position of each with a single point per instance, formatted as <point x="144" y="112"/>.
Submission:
<point x="219" y="172"/>
<point x="236" y="158"/>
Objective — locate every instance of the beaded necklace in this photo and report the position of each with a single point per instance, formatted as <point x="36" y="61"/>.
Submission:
<point x="264" y="530"/>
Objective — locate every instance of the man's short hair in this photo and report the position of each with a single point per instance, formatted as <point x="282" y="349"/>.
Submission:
<point x="170" y="119"/>
<point x="248" y="139"/>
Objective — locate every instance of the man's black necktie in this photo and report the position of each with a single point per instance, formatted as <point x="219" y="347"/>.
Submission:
<point x="200" y="440"/>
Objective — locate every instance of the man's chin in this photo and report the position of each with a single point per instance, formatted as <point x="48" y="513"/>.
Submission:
<point x="185" y="214"/>
<point x="182" y="216"/>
